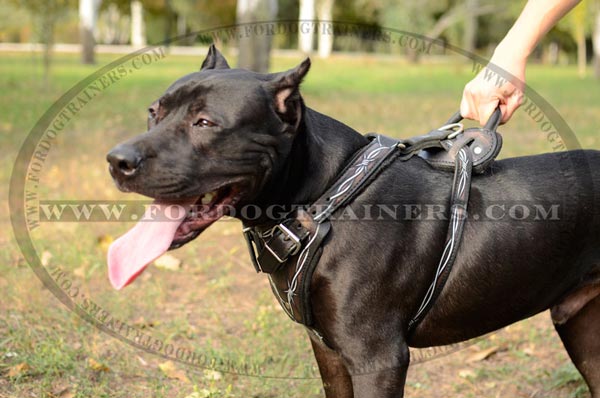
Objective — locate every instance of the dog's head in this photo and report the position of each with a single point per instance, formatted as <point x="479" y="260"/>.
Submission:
<point x="214" y="140"/>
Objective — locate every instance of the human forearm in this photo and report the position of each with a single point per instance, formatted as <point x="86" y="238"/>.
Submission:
<point x="482" y="95"/>
<point x="536" y="19"/>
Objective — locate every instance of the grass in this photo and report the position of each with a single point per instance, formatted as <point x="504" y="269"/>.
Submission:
<point x="215" y="302"/>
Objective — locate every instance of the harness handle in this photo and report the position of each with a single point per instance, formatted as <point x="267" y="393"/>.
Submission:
<point x="491" y="125"/>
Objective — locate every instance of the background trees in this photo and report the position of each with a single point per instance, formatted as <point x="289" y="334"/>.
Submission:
<point x="476" y="25"/>
<point x="254" y="47"/>
<point x="88" y="19"/>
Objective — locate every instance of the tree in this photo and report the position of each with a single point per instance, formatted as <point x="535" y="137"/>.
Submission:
<point x="114" y="24"/>
<point x="88" y="18"/>
<point x="45" y="14"/>
<point x="305" y="36"/>
<point x="468" y="10"/>
<point x="578" y="22"/>
<point x="14" y="29"/>
<point x="202" y="14"/>
<point x="254" y="40"/>
<point x="325" y="14"/>
<point x="138" y="31"/>
<point x="433" y="18"/>
<point x="596" y="42"/>
<point x="470" y="26"/>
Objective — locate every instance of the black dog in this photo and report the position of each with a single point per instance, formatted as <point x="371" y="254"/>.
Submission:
<point x="225" y="138"/>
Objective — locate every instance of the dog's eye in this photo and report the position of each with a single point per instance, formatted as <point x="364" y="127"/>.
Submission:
<point x="204" y="123"/>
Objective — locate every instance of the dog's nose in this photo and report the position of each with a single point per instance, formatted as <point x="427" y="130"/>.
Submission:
<point x="124" y="159"/>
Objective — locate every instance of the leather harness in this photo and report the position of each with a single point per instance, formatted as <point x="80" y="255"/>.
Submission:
<point x="289" y="249"/>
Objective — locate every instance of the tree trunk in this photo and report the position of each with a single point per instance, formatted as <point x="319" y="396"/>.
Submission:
<point x="138" y="36"/>
<point x="596" y="41"/>
<point x="169" y="15"/>
<point x="88" y="17"/>
<point x="181" y="25"/>
<point x="325" y="34"/>
<point x="553" y="53"/>
<point x="412" y="55"/>
<point x="457" y="14"/>
<point x="48" y="21"/>
<point x="470" y="26"/>
<point x="578" y="18"/>
<point x="254" y="43"/>
<point x="305" y="34"/>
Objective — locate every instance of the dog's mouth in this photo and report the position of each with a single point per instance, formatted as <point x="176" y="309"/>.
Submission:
<point x="167" y="225"/>
<point x="204" y="211"/>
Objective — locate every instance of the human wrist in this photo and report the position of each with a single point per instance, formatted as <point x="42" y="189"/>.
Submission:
<point x="511" y="59"/>
<point x="510" y="65"/>
<point x="512" y="52"/>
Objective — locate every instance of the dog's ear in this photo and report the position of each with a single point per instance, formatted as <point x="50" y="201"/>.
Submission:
<point x="214" y="59"/>
<point x="286" y="93"/>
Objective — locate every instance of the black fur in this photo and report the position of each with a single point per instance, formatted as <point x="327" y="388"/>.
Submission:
<point x="374" y="273"/>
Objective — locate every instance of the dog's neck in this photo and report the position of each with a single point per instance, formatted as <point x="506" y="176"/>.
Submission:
<point x="321" y="148"/>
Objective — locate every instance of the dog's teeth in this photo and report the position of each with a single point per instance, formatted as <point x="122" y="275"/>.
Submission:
<point x="207" y="198"/>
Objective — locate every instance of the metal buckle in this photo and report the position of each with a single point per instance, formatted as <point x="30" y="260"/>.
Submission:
<point x="289" y="234"/>
<point x="451" y="128"/>
<point x="251" y="248"/>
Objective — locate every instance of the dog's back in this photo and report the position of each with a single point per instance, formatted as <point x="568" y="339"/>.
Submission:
<point x="532" y="233"/>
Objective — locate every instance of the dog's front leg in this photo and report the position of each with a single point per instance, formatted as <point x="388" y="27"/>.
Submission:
<point x="334" y="374"/>
<point x="379" y="378"/>
<point x="386" y="383"/>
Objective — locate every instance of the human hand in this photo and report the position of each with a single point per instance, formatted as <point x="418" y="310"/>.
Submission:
<point x="493" y="87"/>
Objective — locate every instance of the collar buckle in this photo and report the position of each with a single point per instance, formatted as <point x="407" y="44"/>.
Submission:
<point x="270" y="249"/>
<point x="288" y="235"/>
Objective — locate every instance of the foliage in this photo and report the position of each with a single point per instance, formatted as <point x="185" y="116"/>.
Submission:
<point x="359" y="11"/>
<point x="204" y="14"/>
<point x="13" y="28"/>
<point x="579" y="18"/>
<point x="38" y="20"/>
<point x="412" y="16"/>
<point x="45" y="14"/>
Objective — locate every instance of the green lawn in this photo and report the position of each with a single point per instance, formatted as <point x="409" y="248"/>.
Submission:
<point x="215" y="303"/>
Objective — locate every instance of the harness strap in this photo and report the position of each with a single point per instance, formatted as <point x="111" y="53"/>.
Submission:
<point x="291" y="285"/>
<point x="355" y="178"/>
<point x="438" y="147"/>
<point x="459" y="199"/>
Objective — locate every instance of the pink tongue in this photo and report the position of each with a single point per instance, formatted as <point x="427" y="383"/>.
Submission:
<point x="129" y="255"/>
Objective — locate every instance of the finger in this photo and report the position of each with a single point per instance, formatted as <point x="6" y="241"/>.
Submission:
<point x="465" y="109"/>
<point x="467" y="106"/>
<point x="486" y="110"/>
<point x="512" y="104"/>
